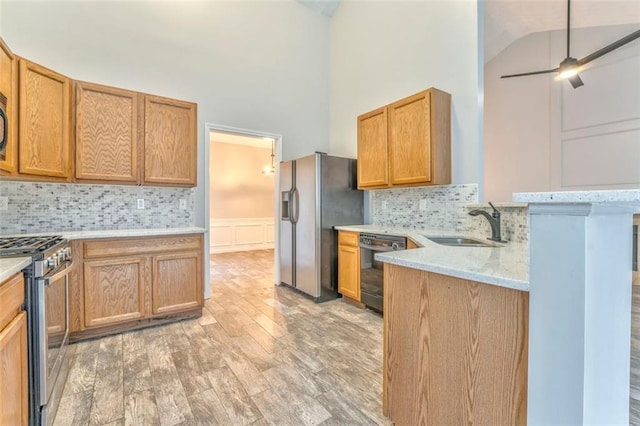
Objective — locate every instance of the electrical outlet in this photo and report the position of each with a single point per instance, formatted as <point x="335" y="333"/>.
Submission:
<point x="183" y="204"/>
<point x="4" y="203"/>
<point x="140" y="204"/>
<point x="423" y="205"/>
<point x="384" y="205"/>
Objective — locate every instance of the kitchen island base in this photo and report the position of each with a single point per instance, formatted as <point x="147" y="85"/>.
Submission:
<point x="455" y="351"/>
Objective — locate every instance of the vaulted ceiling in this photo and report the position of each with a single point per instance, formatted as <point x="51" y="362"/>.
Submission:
<point x="508" y="20"/>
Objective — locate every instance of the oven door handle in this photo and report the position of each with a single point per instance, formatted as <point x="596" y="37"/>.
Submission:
<point x="376" y="248"/>
<point x="55" y="277"/>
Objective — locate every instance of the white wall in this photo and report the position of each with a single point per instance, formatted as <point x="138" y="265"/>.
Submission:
<point x="253" y="65"/>
<point x="541" y="134"/>
<point x="516" y="120"/>
<point x="383" y="51"/>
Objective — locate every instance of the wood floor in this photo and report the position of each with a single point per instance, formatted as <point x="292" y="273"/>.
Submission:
<point x="259" y="355"/>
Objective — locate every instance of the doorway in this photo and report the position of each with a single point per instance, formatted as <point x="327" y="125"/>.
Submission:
<point x="242" y="177"/>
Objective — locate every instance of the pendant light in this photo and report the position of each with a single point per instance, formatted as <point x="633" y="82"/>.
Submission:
<point x="270" y="169"/>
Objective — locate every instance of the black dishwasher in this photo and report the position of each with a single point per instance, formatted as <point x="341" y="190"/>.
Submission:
<point x="371" y="277"/>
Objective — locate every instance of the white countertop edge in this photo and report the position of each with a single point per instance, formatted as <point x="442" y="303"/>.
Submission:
<point x="458" y="273"/>
<point x="12" y="265"/>
<point x="418" y="235"/>
<point x="117" y="233"/>
<point x="504" y="205"/>
<point x="631" y="196"/>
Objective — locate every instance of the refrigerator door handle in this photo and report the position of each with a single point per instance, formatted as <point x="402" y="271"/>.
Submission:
<point x="295" y="206"/>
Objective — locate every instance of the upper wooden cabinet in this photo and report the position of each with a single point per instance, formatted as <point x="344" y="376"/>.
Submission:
<point x="170" y="143"/>
<point x="120" y="136"/>
<point x="8" y="105"/>
<point x="407" y="142"/>
<point x="106" y="133"/>
<point x="45" y="122"/>
<point x="373" y="169"/>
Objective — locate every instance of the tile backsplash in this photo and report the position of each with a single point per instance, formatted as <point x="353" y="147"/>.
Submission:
<point x="446" y="208"/>
<point x="514" y="222"/>
<point x="54" y="207"/>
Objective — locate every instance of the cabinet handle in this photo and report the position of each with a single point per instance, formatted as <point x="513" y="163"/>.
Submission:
<point x="5" y="131"/>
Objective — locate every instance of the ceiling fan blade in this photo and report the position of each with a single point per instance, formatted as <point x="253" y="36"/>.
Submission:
<point x="575" y="81"/>
<point x="619" y="43"/>
<point x="530" y="73"/>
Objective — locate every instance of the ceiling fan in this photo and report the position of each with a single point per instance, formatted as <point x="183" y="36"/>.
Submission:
<point x="569" y="67"/>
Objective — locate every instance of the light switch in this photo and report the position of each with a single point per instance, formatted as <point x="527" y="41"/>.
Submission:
<point x="423" y="205"/>
<point x="183" y="204"/>
<point x="140" y="204"/>
<point x="384" y="205"/>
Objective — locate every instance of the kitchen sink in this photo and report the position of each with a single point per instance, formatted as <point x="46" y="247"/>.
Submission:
<point x="461" y="242"/>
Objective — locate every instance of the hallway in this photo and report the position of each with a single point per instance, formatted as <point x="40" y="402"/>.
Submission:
<point x="260" y="354"/>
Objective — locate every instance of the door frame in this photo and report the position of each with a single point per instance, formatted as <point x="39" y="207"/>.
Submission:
<point x="212" y="127"/>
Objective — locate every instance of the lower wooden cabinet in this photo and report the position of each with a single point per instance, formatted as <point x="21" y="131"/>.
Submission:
<point x="349" y="265"/>
<point x="135" y="282"/>
<point x="115" y="290"/>
<point x="177" y="285"/>
<point x="14" y="403"/>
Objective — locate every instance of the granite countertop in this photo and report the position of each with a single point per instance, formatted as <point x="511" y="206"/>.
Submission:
<point x="118" y="233"/>
<point x="12" y="265"/>
<point x="505" y="266"/>
<point x="625" y="196"/>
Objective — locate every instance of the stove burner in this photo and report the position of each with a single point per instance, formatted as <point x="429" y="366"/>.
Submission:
<point x="27" y="245"/>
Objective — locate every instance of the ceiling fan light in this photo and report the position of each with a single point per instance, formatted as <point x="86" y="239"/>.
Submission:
<point x="575" y="81"/>
<point x="568" y="73"/>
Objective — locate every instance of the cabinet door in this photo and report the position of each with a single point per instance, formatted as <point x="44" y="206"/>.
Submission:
<point x="177" y="282"/>
<point x="106" y="133"/>
<point x="115" y="290"/>
<point x="373" y="169"/>
<point x="349" y="271"/>
<point x="9" y="89"/>
<point x="14" y="403"/>
<point x="170" y="144"/>
<point x="409" y="140"/>
<point x="45" y="112"/>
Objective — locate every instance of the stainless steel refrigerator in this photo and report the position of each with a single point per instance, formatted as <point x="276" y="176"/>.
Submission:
<point x="317" y="193"/>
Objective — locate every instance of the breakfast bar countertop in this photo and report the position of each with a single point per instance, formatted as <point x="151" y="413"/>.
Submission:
<point x="505" y="266"/>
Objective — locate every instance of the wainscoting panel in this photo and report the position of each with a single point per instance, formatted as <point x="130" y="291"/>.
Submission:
<point x="242" y="234"/>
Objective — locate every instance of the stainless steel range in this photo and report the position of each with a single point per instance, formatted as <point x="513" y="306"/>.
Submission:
<point x="47" y="290"/>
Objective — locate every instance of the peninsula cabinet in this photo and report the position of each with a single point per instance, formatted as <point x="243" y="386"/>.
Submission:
<point x="455" y="351"/>
<point x="14" y="404"/>
<point x="349" y="265"/>
<point x="406" y="143"/>
<point x="8" y="104"/>
<point x="170" y="142"/>
<point x="106" y="133"/>
<point x="45" y="122"/>
<point x="130" y="283"/>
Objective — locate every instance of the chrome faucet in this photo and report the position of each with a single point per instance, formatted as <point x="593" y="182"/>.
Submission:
<point x="494" y="221"/>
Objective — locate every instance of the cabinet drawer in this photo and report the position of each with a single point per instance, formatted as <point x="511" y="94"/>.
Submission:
<point x="348" y="238"/>
<point x="126" y="246"/>
<point x="11" y="298"/>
